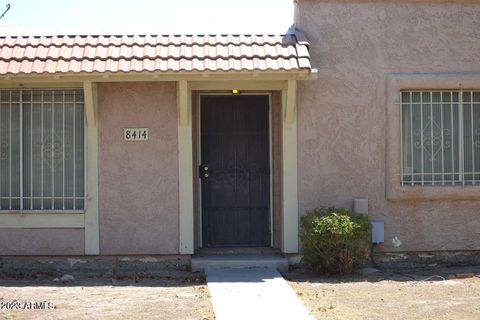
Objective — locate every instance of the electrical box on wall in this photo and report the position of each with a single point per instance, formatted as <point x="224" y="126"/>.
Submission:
<point x="378" y="227"/>
<point x="360" y="205"/>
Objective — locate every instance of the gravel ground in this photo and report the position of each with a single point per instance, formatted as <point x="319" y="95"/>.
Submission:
<point x="390" y="295"/>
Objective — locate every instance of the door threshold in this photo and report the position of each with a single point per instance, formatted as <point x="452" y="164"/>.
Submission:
<point x="237" y="250"/>
<point x="201" y="262"/>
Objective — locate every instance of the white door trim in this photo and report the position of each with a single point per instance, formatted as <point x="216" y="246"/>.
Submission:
<point x="199" y="155"/>
<point x="289" y="213"/>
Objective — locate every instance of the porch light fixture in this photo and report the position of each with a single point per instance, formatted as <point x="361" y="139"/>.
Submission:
<point x="235" y="91"/>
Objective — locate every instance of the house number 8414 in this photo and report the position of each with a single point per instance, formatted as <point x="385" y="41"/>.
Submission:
<point x="135" y="134"/>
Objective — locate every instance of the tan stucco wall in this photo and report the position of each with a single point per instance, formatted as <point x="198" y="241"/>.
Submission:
<point x="42" y="241"/>
<point x="342" y="120"/>
<point x="138" y="181"/>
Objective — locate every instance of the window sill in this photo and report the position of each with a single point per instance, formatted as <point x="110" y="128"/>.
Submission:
<point x="42" y="212"/>
<point x="432" y="193"/>
<point x="42" y="219"/>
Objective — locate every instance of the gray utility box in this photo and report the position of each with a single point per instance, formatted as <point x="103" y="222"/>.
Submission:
<point x="360" y="205"/>
<point x="378" y="227"/>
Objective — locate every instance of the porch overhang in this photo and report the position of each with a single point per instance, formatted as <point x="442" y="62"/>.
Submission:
<point x="194" y="76"/>
<point x="196" y="63"/>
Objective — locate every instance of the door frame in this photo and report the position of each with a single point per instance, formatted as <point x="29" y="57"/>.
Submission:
<point x="199" y="154"/>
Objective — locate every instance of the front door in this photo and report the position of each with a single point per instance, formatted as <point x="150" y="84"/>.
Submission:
<point x="235" y="170"/>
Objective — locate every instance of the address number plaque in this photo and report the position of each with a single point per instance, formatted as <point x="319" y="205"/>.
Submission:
<point x="135" y="134"/>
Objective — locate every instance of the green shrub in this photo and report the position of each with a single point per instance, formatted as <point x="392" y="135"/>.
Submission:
<point x="334" y="240"/>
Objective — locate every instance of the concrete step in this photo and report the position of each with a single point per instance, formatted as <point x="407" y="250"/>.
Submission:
<point x="223" y="261"/>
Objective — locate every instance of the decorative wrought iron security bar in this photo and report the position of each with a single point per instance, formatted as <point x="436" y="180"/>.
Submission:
<point x="42" y="150"/>
<point x="440" y="137"/>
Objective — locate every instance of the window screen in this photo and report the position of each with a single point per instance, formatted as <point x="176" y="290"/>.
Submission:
<point x="440" y="137"/>
<point x="42" y="150"/>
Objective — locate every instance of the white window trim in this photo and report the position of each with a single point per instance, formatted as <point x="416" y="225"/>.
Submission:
<point x="88" y="218"/>
<point x="396" y="82"/>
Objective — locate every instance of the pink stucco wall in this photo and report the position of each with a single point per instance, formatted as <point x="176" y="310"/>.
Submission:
<point x="138" y="181"/>
<point x="342" y="120"/>
<point x="42" y="241"/>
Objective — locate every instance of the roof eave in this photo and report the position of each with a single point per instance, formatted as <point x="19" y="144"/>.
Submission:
<point x="298" y="74"/>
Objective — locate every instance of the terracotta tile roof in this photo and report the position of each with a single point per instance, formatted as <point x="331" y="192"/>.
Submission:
<point x="72" y="54"/>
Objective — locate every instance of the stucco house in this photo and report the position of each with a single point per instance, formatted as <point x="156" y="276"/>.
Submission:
<point x="164" y="144"/>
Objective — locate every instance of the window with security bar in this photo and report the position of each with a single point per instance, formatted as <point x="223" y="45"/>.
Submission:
<point x="42" y="150"/>
<point x="440" y="132"/>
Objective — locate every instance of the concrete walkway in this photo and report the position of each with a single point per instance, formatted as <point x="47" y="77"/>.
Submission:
<point x="256" y="293"/>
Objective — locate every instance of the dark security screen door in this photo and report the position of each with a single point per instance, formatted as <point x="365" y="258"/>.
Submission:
<point x="236" y="158"/>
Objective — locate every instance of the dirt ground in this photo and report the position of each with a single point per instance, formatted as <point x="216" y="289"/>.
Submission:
<point x="383" y="295"/>
<point x="390" y="295"/>
<point x="102" y="299"/>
